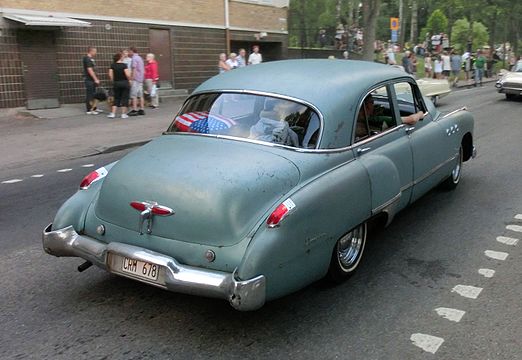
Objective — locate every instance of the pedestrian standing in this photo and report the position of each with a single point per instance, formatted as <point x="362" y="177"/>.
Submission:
<point x="137" y="77"/>
<point x="428" y="66"/>
<point x="90" y="80"/>
<point x="126" y="59"/>
<point x="391" y="55"/>
<point x="446" y="64"/>
<point x="241" y="58"/>
<point x="151" y="80"/>
<point x="222" y="63"/>
<point x="413" y="61"/>
<point x="232" y="61"/>
<point x="120" y="76"/>
<point x="456" y="64"/>
<point x="466" y="59"/>
<point x="255" y="58"/>
<point x="406" y="62"/>
<point x="480" y="63"/>
<point x="437" y="67"/>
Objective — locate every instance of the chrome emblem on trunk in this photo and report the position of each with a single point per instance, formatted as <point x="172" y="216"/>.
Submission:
<point x="147" y="211"/>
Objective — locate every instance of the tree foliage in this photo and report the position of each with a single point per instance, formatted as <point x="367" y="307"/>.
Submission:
<point x="462" y="30"/>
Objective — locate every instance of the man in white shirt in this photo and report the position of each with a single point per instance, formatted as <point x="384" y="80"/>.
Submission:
<point x="255" y="58"/>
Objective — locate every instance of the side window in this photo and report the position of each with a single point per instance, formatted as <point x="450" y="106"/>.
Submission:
<point x="375" y="115"/>
<point x="407" y="99"/>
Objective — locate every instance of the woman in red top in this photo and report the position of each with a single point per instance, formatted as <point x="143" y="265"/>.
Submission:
<point x="151" y="80"/>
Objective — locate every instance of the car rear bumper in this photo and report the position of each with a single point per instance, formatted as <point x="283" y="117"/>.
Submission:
<point x="243" y="295"/>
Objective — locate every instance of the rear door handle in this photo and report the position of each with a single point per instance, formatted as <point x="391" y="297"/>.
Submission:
<point x="363" y="150"/>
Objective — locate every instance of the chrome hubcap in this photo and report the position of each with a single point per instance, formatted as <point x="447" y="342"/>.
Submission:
<point x="455" y="173"/>
<point x="350" y="248"/>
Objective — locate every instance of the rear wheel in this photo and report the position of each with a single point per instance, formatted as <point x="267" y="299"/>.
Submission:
<point x="435" y="100"/>
<point x="454" y="179"/>
<point x="347" y="254"/>
<point x="510" y="96"/>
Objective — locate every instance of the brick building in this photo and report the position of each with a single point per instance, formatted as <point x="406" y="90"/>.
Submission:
<point x="42" y="42"/>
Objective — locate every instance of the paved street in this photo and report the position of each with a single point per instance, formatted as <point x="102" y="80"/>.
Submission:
<point x="448" y="251"/>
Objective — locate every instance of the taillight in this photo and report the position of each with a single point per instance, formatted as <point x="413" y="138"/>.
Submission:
<point x="93" y="177"/>
<point x="161" y="210"/>
<point x="138" y="205"/>
<point x="280" y="213"/>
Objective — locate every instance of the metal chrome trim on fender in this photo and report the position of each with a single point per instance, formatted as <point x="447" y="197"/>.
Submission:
<point x="433" y="170"/>
<point x="242" y="295"/>
<point x="386" y="204"/>
<point x="454" y="112"/>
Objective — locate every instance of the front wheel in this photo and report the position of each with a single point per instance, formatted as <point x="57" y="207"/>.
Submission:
<point x="454" y="179"/>
<point x="510" y="96"/>
<point x="347" y="254"/>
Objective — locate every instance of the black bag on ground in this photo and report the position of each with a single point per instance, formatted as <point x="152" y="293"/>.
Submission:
<point x="100" y="94"/>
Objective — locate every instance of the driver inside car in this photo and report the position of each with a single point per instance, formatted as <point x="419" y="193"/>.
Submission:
<point x="377" y="121"/>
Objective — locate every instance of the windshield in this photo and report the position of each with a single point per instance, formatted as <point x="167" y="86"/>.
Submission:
<point x="249" y="116"/>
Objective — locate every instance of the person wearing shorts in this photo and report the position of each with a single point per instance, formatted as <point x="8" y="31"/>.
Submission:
<point x="137" y="77"/>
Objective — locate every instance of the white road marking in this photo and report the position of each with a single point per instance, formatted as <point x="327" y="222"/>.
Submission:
<point x="516" y="228"/>
<point x="518" y="216"/>
<point x="428" y="343"/>
<point x="12" y="181"/>
<point x="467" y="291"/>
<point x="497" y="255"/>
<point x="63" y="170"/>
<point x="88" y="165"/>
<point x="507" y="240"/>
<point x="37" y="176"/>
<point x="486" y="272"/>
<point x="450" y="314"/>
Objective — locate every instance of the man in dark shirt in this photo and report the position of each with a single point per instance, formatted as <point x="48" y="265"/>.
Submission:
<point x="90" y="79"/>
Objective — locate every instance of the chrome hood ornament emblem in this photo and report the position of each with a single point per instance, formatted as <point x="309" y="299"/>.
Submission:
<point x="148" y="209"/>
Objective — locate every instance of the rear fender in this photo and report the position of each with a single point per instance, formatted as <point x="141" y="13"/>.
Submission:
<point x="298" y="251"/>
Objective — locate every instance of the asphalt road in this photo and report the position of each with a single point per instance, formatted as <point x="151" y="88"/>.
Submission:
<point x="413" y="271"/>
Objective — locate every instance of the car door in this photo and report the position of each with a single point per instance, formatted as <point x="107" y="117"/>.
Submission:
<point x="429" y="141"/>
<point x="381" y="144"/>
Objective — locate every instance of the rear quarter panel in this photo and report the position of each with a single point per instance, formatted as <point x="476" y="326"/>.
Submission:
<point x="298" y="252"/>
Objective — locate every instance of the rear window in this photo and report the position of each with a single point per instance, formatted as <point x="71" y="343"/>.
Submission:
<point x="255" y="117"/>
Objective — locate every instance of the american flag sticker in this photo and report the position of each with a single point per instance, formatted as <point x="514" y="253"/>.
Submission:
<point x="202" y="122"/>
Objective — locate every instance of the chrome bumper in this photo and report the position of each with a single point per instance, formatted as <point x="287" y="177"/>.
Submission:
<point x="242" y="295"/>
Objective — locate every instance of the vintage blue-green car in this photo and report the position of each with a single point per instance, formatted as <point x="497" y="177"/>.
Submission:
<point x="265" y="181"/>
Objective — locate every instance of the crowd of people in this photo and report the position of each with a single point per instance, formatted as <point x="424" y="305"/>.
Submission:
<point x="239" y="60"/>
<point x="132" y="79"/>
<point x="441" y="61"/>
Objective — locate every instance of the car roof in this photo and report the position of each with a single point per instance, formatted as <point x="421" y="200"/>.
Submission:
<point x="334" y="87"/>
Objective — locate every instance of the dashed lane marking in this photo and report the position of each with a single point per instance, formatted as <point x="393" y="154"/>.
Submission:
<point x="516" y="228"/>
<point x="428" y="343"/>
<point x="88" y="165"/>
<point x="486" y="272"/>
<point x="450" y="314"/>
<point x="497" y="255"/>
<point x="37" y="176"/>
<point x="467" y="291"/>
<point x="63" y="170"/>
<point x="12" y="181"/>
<point x="507" y="240"/>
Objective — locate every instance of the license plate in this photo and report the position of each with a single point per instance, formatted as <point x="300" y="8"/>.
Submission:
<point x="140" y="269"/>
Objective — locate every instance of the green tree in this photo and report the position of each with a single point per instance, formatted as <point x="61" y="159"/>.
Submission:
<point x="436" y="24"/>
<point x="462" y="30"/>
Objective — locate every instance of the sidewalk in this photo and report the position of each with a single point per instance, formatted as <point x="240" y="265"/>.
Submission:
<point x="28" y="137"/>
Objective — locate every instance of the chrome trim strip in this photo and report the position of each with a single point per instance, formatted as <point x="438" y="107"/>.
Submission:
<point x="454" y="112"/>
<point x="406" y="187"/>
<point x="378" y="136"/>
<point x="433" y="170"/>
<point x="242" y="295"/>
<point x="386" y="204"/>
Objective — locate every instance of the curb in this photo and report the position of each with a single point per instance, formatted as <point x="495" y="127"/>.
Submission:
<point x="468" y="86"/>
